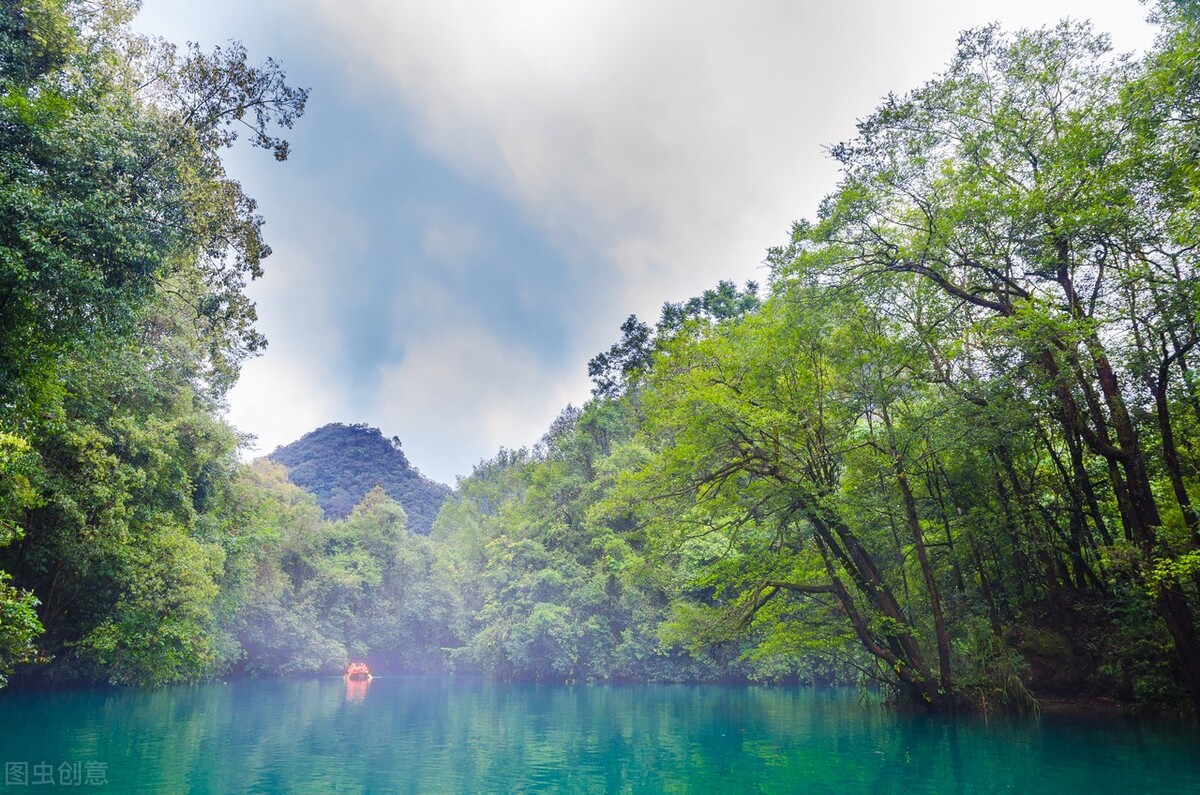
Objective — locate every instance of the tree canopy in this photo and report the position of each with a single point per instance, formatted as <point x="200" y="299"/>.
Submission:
<point x="124" y="251"/>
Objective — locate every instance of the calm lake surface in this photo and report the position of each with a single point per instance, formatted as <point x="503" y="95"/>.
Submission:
<point x="417" y="735"/>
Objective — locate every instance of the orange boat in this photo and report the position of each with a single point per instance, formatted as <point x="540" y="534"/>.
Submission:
<point x="358" y="672"/>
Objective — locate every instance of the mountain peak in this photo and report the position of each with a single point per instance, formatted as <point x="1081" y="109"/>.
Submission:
<point x="340" y="463"/>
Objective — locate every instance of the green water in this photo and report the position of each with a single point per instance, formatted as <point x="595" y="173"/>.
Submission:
<point x="416" y="735"/>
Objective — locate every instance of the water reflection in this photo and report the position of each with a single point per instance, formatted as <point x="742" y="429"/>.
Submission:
<point x="445" y="735"/>
<point x="356" y="689"/>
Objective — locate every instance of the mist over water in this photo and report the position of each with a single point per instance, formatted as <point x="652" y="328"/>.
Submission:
<point x="466" y="736"/>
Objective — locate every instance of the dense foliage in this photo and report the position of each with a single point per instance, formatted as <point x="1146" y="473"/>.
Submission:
<point x="341" y="463"/>
<point x="554" y="585"/>
<point x="318" y="593"/>
<point x="124" y="248"/>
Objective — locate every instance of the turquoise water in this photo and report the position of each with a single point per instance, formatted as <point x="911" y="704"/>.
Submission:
<point x="417" y="735"/>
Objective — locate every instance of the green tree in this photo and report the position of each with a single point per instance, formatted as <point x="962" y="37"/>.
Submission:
<point x="124" y="248"/>
<point x="1017" y="183"/>
<point x="19" y="624"/>
<point x="112" y="187"/>
<point x="755" y="422"/>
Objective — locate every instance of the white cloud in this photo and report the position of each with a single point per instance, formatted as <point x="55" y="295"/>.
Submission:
<point x="680" y="138"/>
<point x="463" y="392"/>
<point x="278" y="401"/>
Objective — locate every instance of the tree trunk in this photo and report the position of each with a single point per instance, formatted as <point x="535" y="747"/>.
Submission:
<point x="931" y="587"/>
<point x="1171" y="459"/>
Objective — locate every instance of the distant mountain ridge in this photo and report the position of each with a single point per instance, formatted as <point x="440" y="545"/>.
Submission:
<point x="340" y="463"/>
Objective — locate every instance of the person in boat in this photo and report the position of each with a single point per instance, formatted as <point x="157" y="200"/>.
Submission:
<point x="358" y="671"/>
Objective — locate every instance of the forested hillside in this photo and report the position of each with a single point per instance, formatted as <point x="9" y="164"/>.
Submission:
<point x="950" y="448"/>
<point x="341" y="463"/>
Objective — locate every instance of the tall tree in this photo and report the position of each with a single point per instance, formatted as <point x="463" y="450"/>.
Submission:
<point x="1024" y="187"/>
<point x="124" y="251"/>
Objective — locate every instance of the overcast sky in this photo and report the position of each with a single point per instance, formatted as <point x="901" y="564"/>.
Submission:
<point x="480" y="192"/>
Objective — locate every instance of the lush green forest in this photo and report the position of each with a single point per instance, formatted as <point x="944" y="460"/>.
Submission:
<point x="951" y="447"/>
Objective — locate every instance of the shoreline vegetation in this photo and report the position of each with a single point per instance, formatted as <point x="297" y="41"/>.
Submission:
<point x="951" y="448"/>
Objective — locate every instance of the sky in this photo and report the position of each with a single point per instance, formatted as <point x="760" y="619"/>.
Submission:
<point x="481" y="191"/>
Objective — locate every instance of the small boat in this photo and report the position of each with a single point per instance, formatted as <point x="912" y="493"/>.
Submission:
<point x="358" y="672"/>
